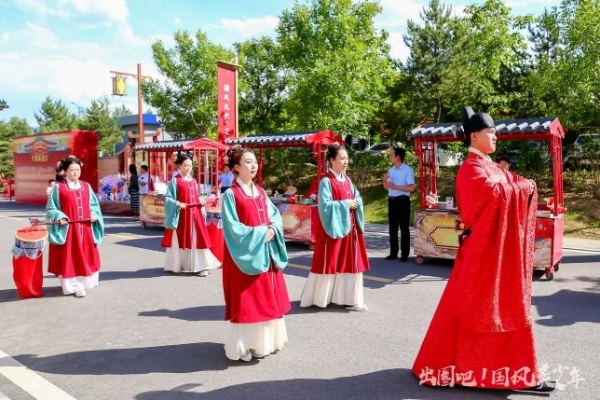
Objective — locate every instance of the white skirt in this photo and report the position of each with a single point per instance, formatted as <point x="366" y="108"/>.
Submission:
<point x="343" y="289"/>
<point x="78" y="283"/>
<point x="189" y="260"/>
<point x="260" y="338"/>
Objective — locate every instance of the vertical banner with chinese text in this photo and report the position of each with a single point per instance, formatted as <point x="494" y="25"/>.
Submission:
<point x="227" y="102"/>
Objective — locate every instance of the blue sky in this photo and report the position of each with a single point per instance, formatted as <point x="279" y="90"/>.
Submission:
<point x="65" y="48"/>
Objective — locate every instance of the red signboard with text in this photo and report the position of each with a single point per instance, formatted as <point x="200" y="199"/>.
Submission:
<point x="36" y="156"/>
<point x="227" y="101"/>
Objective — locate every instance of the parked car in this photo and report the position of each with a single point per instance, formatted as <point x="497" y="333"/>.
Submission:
<point x="578" y="154"/>
<point x="377" y="149"/>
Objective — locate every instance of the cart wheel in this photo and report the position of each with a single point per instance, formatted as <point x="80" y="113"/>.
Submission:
<point x="556" y="267"/>
<point x="420" y="260"/>
<point x="549" y="276"/>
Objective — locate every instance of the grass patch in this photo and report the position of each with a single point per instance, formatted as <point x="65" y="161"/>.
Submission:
<point x="375" y="200"/>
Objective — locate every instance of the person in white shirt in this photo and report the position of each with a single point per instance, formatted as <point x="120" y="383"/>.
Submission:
<point x="144" y="180"/>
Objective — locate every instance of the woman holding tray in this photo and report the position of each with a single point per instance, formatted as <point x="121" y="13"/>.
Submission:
<point x="73" y="252"/>
<point x="186" y="238"/>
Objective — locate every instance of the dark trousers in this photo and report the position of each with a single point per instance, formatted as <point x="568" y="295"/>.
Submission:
<point x="399" y="216"/>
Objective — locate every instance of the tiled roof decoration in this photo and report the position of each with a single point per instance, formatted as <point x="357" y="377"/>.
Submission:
<point x="451" y="129"/>
<point x="265" y="139"/>
<point x="165" y="145"/>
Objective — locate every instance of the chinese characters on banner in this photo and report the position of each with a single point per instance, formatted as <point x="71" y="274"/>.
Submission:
<point x="227" y="102"/>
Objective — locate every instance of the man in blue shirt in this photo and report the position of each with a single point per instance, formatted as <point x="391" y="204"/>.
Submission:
<point x="225" y="178"/>
<point x="399" y="182"/>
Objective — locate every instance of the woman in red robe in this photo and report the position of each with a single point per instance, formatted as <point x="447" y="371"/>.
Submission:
<point x="340" y="256"/>
<point x="186" y="237"/>
<point x="73" y="254"/>
<point x="481" y="333"/>
<point x="255" y="292"/>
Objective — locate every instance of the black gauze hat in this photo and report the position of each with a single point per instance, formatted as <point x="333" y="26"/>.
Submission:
<point x="474" y="122"/>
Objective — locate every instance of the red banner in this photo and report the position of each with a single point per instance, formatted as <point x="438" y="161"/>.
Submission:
<point x="227" y="101"/>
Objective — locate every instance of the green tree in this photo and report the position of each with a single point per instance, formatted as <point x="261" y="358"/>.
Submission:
<point x="493" y="50"/>
<point x="576" y="72"/>
<point x="432" y="44"/>
<point x="98" y="118"/>
<point x="262" y="86"/>
<point x="54" y="116"/>
<point x="8" y="130"/>
<point x="3" y="105"/>
<point x="337" y="62"/>
<point x="186" y="96"/>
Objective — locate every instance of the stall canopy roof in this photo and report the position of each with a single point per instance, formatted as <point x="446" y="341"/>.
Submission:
<point x="292" y="139"/>
<point x="167" y="145"/>
<point x="515" y="127"/>
<point x="205" y="144"/>
<point x="178" y="145"/>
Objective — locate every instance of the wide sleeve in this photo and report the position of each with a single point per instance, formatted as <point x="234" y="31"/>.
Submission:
<point x="98" y="225"/>
<point x="171" y="209"/>
<point x="495" y="263"/>
<point x="277" y="249"/>
<point x="57" y="234"/>
<point x="334" y="214"/>
<point x="246" y="244"/>
<point x="360" y="211"/>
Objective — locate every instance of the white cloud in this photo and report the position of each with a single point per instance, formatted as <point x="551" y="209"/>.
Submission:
<point x="177" y="21"/>
<point x="113" y="10"/>
<point x="395" y="13"/>
<point x="250" y="27"/>
<point x="32" y="36"/>
<point x="398" y="49"/>
<point x="41" y="7"/>
<point x="126" y="37"/>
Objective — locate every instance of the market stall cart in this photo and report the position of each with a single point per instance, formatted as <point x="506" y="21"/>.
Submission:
<point x="298" y="210"/>
<point x="161" y="158"/>
<point x="438" y="224"/>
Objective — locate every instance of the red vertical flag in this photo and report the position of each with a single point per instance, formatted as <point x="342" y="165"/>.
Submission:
<point x="227" y="102"/>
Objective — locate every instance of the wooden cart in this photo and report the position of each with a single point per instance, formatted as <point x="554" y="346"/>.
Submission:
<point x="437" y="229"/>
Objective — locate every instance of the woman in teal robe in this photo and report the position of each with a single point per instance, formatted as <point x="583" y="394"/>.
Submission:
<point x="73" y="251"/>
<point x="255" y="256"/>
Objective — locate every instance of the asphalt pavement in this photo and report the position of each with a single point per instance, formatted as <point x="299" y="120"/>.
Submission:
<point x="146" y="335"/>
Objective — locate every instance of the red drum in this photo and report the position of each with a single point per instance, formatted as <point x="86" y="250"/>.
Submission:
<point x="30" y="243"/>
<point x="214" y="228"/>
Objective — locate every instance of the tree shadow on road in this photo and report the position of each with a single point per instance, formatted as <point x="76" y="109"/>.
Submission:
<point x="567" y="307"/>
<point x="387" y="384"/>
<point x="171" y="359"/>
<point x="191" y="314"/>
<point x="385" y="272"/>
<point x="581" y="258"/>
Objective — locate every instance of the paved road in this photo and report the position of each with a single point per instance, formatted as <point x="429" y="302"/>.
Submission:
<point x="145" y="335"/>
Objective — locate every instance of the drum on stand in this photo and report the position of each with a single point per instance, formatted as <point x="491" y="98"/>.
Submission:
<point x="30" y="243"/>
<point x="214" y="227"/>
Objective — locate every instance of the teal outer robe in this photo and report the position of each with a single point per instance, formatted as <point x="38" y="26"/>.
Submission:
<point x="184" y="221"/>
<point x="73" y="250"/>
<point x="57" y="234"/>
<point x="247" y="245"/>
<point x="339" y="235"/>
<point x="253" y="284"/>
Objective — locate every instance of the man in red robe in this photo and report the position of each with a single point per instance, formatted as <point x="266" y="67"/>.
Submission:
<point x="481" y="333"/>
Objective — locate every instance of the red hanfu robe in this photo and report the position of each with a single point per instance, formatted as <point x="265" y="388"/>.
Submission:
<point x="187" y="192"/>
<point x="347" y="255"/>
<point x="79" y="255"/>
<point x="481" y="333"/>
<point x="252" y="298"/>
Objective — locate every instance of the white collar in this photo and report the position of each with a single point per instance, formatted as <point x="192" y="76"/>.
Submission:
<point x="249" y="189"/>
<point x="338" y="177"/>
<point x="479" y="153"/>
